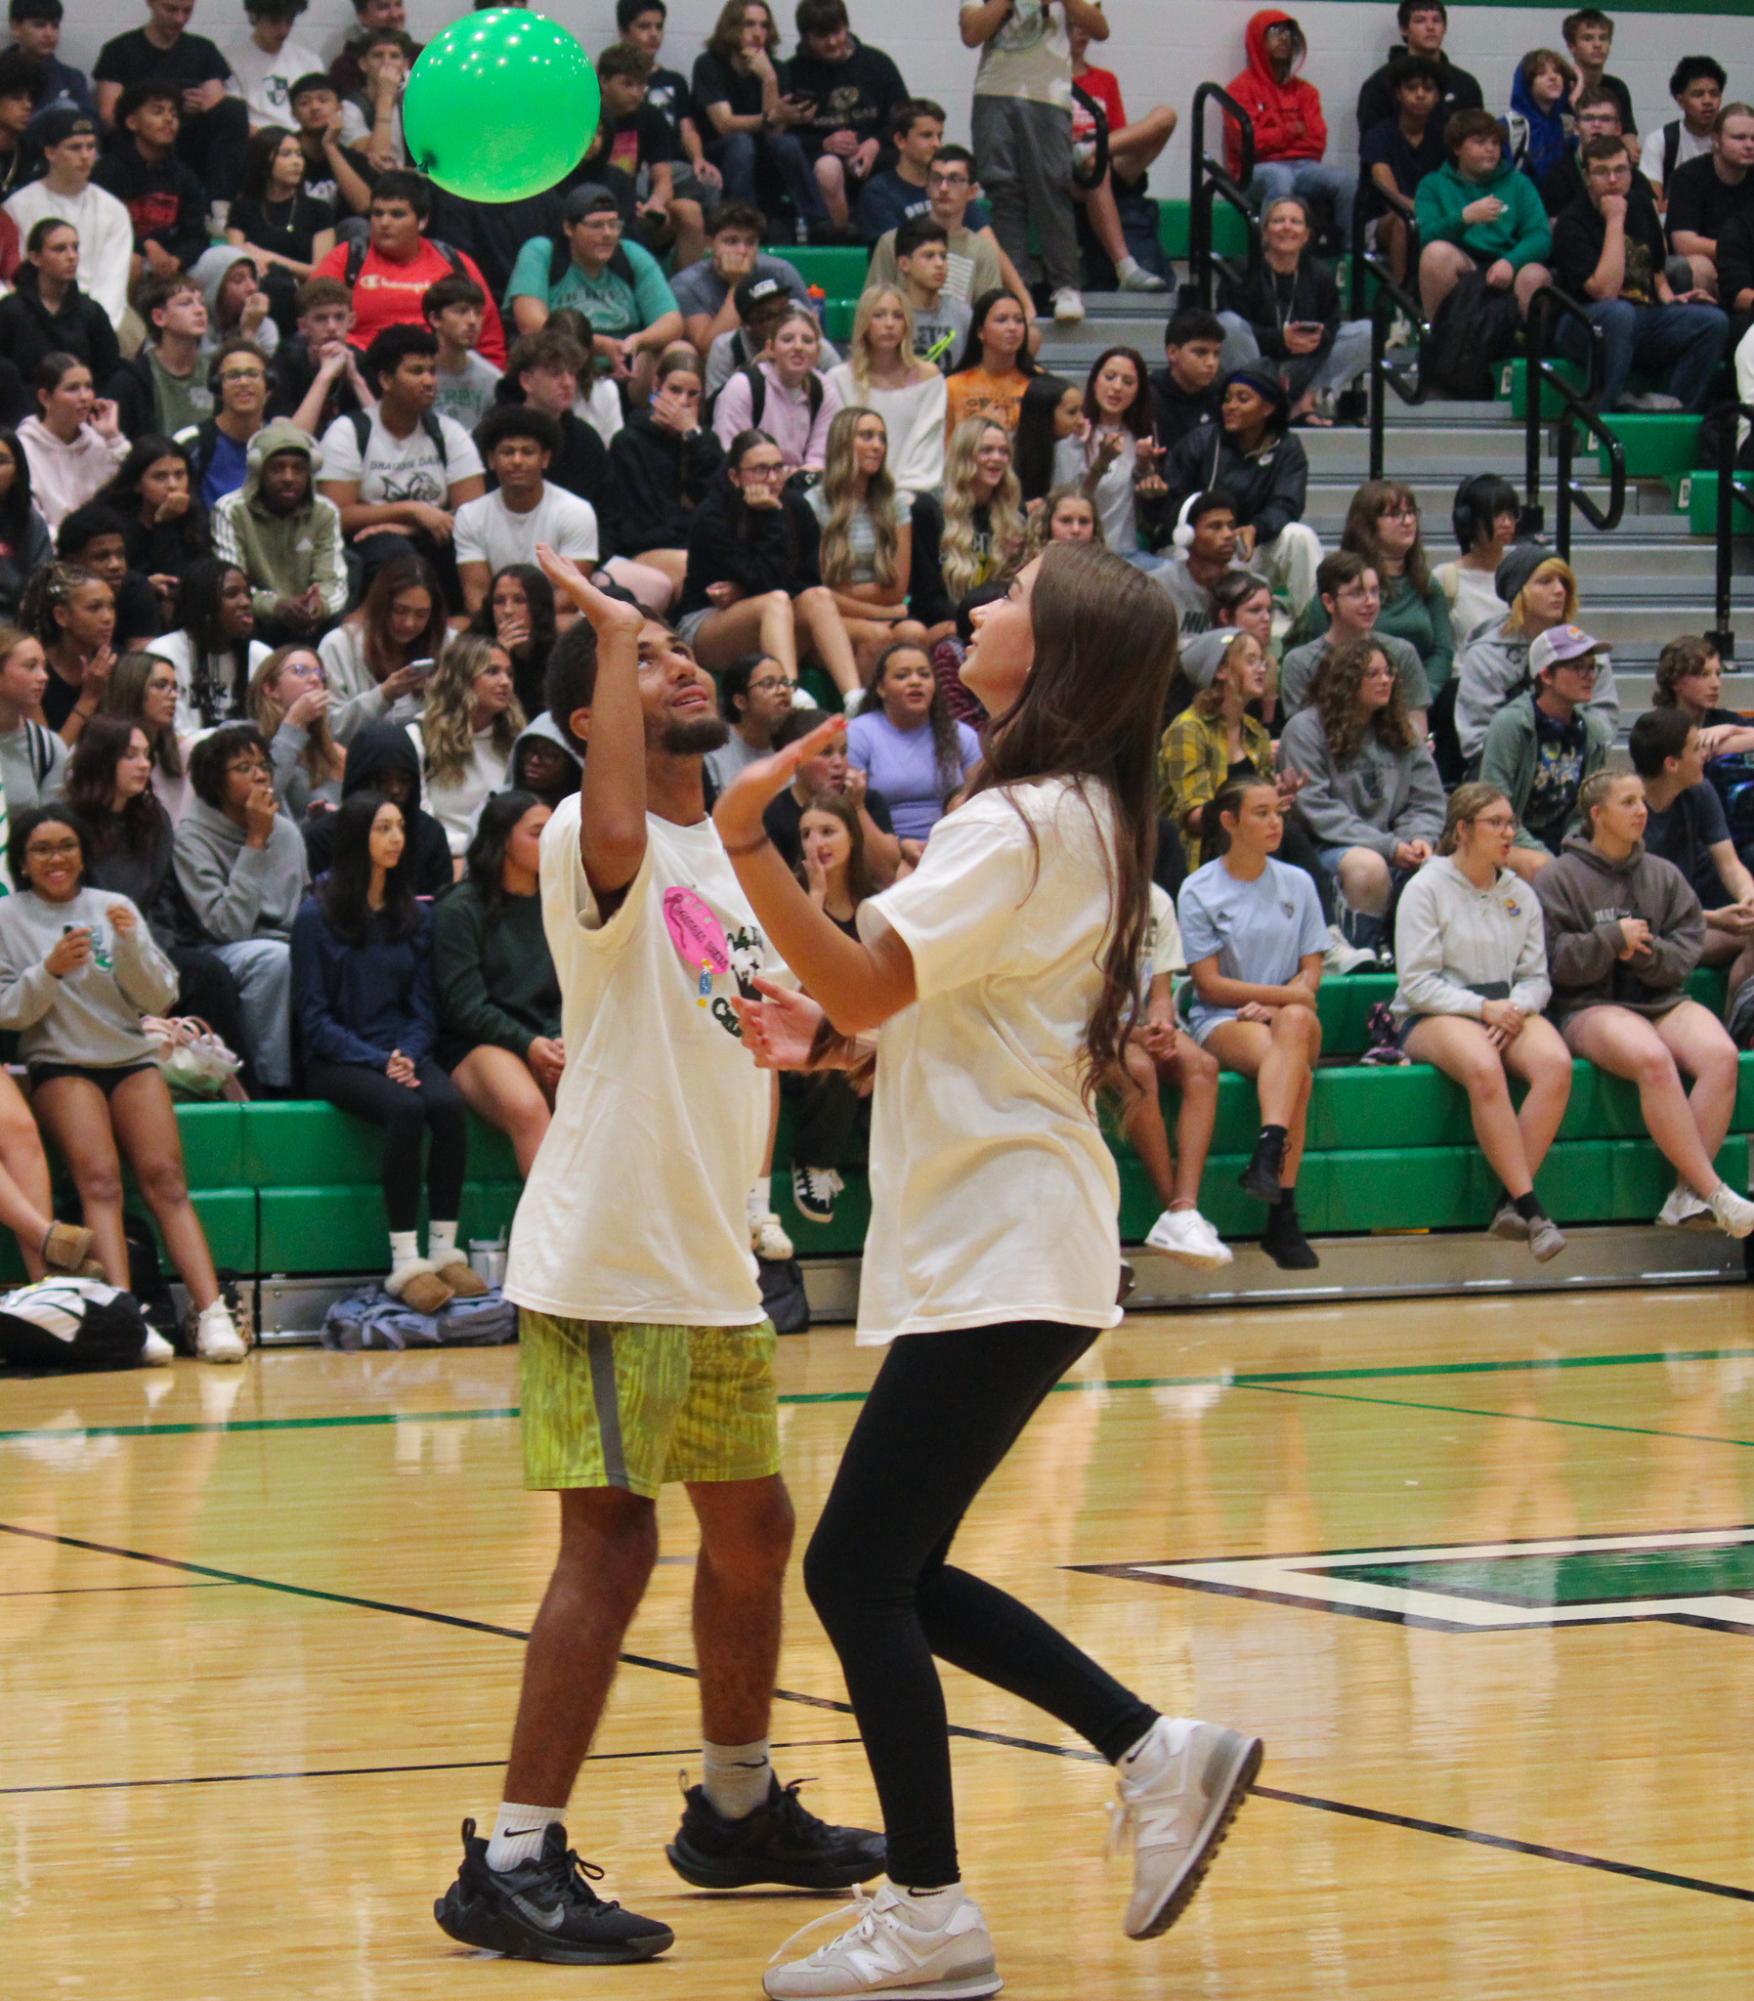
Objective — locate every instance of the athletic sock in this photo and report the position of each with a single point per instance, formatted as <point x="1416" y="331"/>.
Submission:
<point x="930" y="1909"/>
<point x="404" y="1249"/>
<point x="1126" y="267"/>
<point x="1272" y="1136"/>
<point x="1146" y="1758"/>
<point x="737" y="1777"/>
<point x="441" y="1243"/>
<point x="1528" y="1206"/>
<point x="760" y="1199"/>
<point x="517" y="1833"/>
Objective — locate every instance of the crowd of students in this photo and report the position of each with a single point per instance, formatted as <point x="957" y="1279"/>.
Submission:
<point x="285" y="428"/>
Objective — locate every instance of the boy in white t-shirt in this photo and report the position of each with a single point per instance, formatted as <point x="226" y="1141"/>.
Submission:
<point x="645" y="1355"/>
<point x="506" y="525"/>
<point x="268" y="62"/>
<point x="1161" y="1051"/>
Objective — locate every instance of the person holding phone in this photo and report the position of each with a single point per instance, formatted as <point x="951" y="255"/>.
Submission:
<point x="1286" y="311"/>
<point x="754" y="122"/>
<point x="378" y="658"/>
<point x="1115" y="457"/>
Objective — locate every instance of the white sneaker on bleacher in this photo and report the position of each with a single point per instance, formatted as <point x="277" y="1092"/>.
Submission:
<point x="1685" y="1210"/>
<point x="1734" y="1213"/>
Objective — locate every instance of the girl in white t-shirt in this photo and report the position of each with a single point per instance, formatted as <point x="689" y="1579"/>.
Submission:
<point x="1001" y="980"/>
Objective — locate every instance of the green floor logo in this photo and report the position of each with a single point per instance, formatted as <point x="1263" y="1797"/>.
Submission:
<point x="1692" y="1577"/>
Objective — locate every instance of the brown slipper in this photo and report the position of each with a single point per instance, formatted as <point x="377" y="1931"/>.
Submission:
<point x="419" y="1287"/>
<point x="66" y="1247"/>
<point x="463" y="1279"/>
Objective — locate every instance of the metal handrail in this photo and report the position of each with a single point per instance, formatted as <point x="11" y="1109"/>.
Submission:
<point x="1548" y="303"/>
<point x="1360" y="254"/>
<point x="1390" y="296"/>
<point x="1730" y="495"/>
<point x="1208" y="179"/>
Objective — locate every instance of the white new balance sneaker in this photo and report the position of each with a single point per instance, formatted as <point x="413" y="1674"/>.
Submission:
<point x="1734" y="1213"/>
<point x="216" y="1336"/>
<point x="1068" y="307"/>
<point x="1177" y="1794"/>
<point x="1186" y="1236"/>
<point x="889" y="1949"/>
<point x="1685" y="1210"/>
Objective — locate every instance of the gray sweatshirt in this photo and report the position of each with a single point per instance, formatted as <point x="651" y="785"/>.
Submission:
<point x="1195" y="607"/>
<point x="235" y="891"/>
<point x="1494" y="666"/>
<point x="1297" y="671"/>
<point x="292" y="776"/>
<point x="1451" y="939"/>
<point x="1378" y="799"/>
<point x="90" y="1017"/>
<point x="24" y="753"/>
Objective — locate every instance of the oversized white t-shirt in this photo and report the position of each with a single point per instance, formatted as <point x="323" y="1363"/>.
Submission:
<point x="993" y="1196"/>
<point x="635" y="1207"/>
<point x="489" y="532"/>
<point x="392" y="468"/>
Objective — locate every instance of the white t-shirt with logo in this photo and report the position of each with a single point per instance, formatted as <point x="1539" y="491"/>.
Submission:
<point x="265" y="82"/>
<point x="1028" y="57"/>
<point x="635" y="1207"/>
<point x="392" y="468"/>
<point x="993" y="1196"/>
<point x="489" y="532"/>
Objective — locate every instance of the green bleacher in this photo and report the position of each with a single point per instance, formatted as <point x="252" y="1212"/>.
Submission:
<point x="292" y="1188"/>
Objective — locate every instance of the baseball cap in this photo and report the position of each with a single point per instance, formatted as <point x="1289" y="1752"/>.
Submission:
<point x="753" y="289"/>
<point x="1562" y="643"/>
<point x="61" y="124"/>
<point x="589" y="198"/>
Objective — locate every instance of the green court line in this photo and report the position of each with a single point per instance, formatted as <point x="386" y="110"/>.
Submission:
<point x="1515" y="1416"/>
<point x="1244" y="1379"/>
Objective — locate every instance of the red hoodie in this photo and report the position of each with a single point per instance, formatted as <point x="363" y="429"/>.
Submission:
<point x="1287" y="116"/>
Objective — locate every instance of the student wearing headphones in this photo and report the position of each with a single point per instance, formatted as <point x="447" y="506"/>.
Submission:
<point x="238" y="383"/>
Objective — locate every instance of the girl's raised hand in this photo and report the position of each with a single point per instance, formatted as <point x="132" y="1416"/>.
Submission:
<point x="607" y="615"/>
<point x="742" y="803"/>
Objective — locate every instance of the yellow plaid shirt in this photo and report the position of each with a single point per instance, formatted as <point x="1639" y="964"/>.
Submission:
<point x="1193" y="761"/>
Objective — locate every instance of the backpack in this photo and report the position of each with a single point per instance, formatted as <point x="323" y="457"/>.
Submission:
<point x="37" y="740"/>
<point x="1475" y="326"/>
<point x="361" y="422"/>
<point x="813" y="389"/>
<point x="359" y="246"/>
<point x="560" y="259"/>
<point x="1671" y="149"/>
<point x="62" y="1324"/>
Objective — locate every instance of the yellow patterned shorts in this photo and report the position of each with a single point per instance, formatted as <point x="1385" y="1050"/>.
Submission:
<point x="630" y="1406"/>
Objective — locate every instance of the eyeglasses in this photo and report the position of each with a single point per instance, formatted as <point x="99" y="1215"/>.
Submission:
<point x="762" y="471"/>
<point x="947" y="180"/>
<point x="41" y="851"/>
<point x="253" y="768"/>
<point x="243" y="375"/>
<point x="769" y="684"/>
<point x="1399" y="512"/>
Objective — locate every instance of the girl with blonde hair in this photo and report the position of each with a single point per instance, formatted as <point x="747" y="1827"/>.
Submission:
<point x="866" y="551"/>
<point x="466" y="733"/>
<point x="883" y="373"/>
<point x="288" y="702"/>
<point x="984" y="527"/>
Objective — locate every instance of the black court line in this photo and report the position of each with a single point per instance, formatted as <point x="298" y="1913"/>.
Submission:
<point x="1700" y="1885"/>
<point x="376" y="1771"/>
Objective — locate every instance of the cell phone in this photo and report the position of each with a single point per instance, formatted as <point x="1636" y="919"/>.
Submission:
<point x="422" y="669"/>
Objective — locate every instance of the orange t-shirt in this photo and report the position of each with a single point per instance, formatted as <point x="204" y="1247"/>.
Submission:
<point x="975" y="393"/>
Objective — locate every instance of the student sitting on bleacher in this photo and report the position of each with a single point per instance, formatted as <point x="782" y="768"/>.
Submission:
<point x="1205" y="553"/>
<point x="1471" y="966"/>
<point x="214" y="648"/>
<point x="1589" y="40"/>
<point x="363" y="986"/>
<point x="995" y="365"/>
<point x="1114" y="456"/>
<point x="1537" y="128"/>
<point x="1494" y="665"/>
<point x="1160" y="1051"/>
<point x="665" y="461"/>
<point x="1371" y="797"/>
<point x="705" y="291"/>
<point x="1545" y="742"/>
<point x="466" y="732"/>
<point x="1623" y="933"/>
<point x="1351" y="601"/>
<point x="289" y="703"/>
<point x="379" y="657"/>
<point x="1251" y="455"/>
<point x="1690" y="677"/>
<point x="783" y="393"/>
<point x="1382" y="526"/>
<point x="1697" y="85"/>
<point x="866" y="551"/>
<point x="882" y="372"/>
<point x="1131" y="149"/>
<point x="1595" y="116"/>
<point x="1685" y="825"/>
<point x="1254" y="938"/>
<point x="498" y="998"/>
<point x="1484" y="519"/>
<point x="1287" y="311"/>
<point x="165" y="529"/>
<point x="908" y="744"/>
<point x="1707" y="194"/>
<point x="142" y="689"/>
<point x="240" y="865"/>
<point x="1398" y="151"/>
<point x="78" y="968"/>
<point x="1423" y="24"/>
<point x="1477" y="213"/>
<point x="1290" y="132"/>
<point x="1184" y="393"/>
<point x="984" y="525"/>
<point x="752" y="123"/>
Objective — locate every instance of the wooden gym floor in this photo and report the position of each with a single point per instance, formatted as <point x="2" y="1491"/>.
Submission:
<point x="1481" y="1575"/>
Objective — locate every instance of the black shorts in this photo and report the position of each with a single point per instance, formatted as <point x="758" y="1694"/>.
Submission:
<point x="105" y="1076"/>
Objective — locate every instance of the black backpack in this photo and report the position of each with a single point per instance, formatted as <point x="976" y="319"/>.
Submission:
<point x="1475" y="326"/>
<point x="429" y="423"/>
<point x="359" y="246"/>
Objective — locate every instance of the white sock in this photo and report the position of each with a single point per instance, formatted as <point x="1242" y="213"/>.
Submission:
<point x="1154" y="1750"/>
<point x="737" y="1778"/>
<point x="404" y="1249"/>
<point x="517" y="1833"/>
<point x="1126" y="267"/>
<point x="930" y="1909"/>
<point x="441" y="1243"/>
<point x="760" y="1199"/>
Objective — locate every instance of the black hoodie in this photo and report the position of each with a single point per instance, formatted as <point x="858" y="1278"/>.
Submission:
<point x="1270" y="302"/>
<point x="662" y="479"/>
<point x="1266" y="486"/>
<point x="1176" y="411"/>
<point x="378" y="748"/>
<point x="165" y="202"/>
<point x="81" y="328"/>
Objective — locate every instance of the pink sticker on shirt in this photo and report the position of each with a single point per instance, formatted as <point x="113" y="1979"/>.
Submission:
<point x="696" y="933"/>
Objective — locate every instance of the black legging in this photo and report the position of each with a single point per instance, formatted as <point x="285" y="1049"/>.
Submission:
<point x="437" y="1104"/>
<point x="944" y="1411"/>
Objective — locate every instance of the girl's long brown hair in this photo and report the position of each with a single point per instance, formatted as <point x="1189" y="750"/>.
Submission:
<point x="1105" y="647"/>
<point x="1362" y="536"/>
<point x="1336" y="701"/>
<point x="839" y="807"/>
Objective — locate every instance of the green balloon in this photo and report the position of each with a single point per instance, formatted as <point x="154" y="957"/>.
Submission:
<point x="500" y="106"/>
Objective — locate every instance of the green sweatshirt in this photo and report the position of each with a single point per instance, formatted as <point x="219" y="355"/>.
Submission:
<point x="283" y="555"/>
<point x="495" y="978"/>
<point x="1521" y="235"/>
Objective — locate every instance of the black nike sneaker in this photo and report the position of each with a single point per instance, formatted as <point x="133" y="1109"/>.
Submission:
<point x="780" y="1842"/>
<point x="544" y="1909"/>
